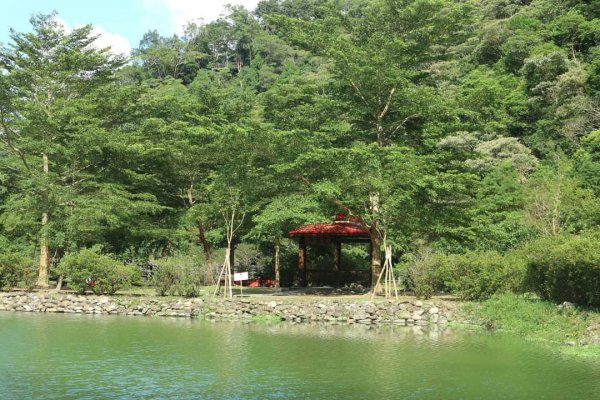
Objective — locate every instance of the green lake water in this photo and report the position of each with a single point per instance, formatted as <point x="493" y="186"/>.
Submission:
<point x="93" y="357"/>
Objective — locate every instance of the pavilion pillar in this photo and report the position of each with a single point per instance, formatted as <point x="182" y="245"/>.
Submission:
<point x="277" y="264"/>
<point x="337" y="255"/>
<point x="302" y="261"/>
<point x="232" y="257"/>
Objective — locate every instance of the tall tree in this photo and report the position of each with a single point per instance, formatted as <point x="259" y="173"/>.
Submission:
<point x="381" y="52"/>
<point x="47" y="75"/>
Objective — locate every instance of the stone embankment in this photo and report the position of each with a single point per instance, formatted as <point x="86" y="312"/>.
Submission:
<point x="333" y="310"/>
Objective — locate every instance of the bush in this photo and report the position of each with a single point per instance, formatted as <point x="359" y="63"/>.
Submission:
<point x="30" y="275"/>
<point x="420" y="274"/>
<point x="472" y="276"/>
<point x="565" y="268"/>
<point x="183" y="276"/>
<point x="532" y="319"/>
<point x="479" y="275"/>
<point x="249" y="258"/>
<point x="10" y="271"/>
<point x="12" y="267"/>
<point x="102" y="273"/>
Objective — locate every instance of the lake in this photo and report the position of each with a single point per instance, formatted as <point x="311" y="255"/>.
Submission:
<point x="59" y="356"/>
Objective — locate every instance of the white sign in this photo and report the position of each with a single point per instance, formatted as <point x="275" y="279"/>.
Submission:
<point x="240" y="276"/>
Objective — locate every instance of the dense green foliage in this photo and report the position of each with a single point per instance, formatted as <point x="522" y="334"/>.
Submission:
<point x="474" y="275"/>
<point x="181" y="276"/>
<point x="17" y="267"/>
<point x="469" y="128"/>
<point x="534" y="319"/>
<point x="565" y="268"/>
<point x="420" y="274"/>
<point x="12" y="269"/>
<point x="479" y="275"/>
<point x="101" y="273"/>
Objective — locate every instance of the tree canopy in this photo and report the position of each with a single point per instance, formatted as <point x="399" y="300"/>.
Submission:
<point x="456" y="125"/>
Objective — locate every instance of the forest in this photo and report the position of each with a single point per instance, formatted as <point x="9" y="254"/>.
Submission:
<point x="466" y="133"/>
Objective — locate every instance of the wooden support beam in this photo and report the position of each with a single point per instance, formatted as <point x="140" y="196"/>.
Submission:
<point x="232" y="257"/>
<point x="337" y="254"/>
<point x="277" y="263"/>
<point x="302" y="261"/>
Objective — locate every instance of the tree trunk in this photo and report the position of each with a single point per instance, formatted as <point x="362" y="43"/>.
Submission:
<point x="380" y="131"/>
<point x="166" y="251"/>
<point x="277" y="263"/>
<point x="44" y="266"/>
<point x="376" y="239"/>
<point x="232" y="256"/>
<point x="380" y="115"/>
<point x="375" y="255"/>
<point x="206" y="250"/>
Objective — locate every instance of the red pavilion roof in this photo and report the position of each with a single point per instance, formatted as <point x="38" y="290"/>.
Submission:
<point x="334" y="229"/>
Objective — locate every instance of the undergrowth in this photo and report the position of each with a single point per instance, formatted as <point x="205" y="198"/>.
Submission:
<point x="533" y="319"/>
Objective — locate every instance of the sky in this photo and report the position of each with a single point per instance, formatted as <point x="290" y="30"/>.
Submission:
<point x="121" y="23"/>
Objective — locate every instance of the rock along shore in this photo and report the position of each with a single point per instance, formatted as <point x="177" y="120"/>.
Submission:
<point x="332" y="310"/>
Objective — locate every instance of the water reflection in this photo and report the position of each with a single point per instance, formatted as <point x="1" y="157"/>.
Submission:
<point x="82" y="356"/>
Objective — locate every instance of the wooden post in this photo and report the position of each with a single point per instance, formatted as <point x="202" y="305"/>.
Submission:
<point x="232" y="257"/>
<point x="226" y="271"/>
<point x="337" y="254"/>
<point x="277" y="263"/>
<point x="388" y="274"/>
<point x="337" y="251"/>
<point x="302" y="261"/>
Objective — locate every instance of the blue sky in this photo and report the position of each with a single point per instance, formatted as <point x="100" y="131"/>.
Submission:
<point x="120" y="22"/>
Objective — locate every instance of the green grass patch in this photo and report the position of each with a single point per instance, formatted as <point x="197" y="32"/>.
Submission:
<point x="532" y="319"/>
<point x="266" y="318"/>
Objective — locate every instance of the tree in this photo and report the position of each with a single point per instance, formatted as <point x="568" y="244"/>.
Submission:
<point x="283" y="213"/>
<point x="587" y="162"/>
<point x="163" y="57"/>
<point x="379" y="58"/>
<point x="46" y="74"/>
<point x="556" y="202"/>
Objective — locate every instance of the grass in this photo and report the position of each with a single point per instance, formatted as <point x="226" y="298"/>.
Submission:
<point x="535" y="320"/>
<point x="266" y="318"/>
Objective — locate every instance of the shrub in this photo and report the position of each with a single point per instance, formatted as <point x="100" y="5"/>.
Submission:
<point x="102" y="273"/>
<point x="250" y="258"/>
<point x="164" y="278"/>
<point x="479" y="275"/>
<point x="30" y="275"/>
<point x="420" y="274"/>
<point x="533" y="319"/>
<point x="10" y="271"/>
<point x="12" y="266"/>
<point x="183" y="276"/>
<point x="565" y="268"/>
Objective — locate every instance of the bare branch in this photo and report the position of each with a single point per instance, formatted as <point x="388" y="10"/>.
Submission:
<point x="387" y="103"/>
<point x="401" y="124"/>
<point x="358" y="91"/>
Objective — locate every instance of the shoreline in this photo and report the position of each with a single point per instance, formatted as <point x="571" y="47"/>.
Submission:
<point x="433" y="313"/>
<point x="331" y="310"/>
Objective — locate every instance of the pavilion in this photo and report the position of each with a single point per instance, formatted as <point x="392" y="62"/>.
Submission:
<point x="342" y="230"/>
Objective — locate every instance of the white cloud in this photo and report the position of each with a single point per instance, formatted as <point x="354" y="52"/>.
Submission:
<point x="63" y="24"/>
<point x="183" y="11"/>
<point x="118" y="43"/>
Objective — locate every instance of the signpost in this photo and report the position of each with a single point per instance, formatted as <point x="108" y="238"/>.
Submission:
<point x="240" y="276"/>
